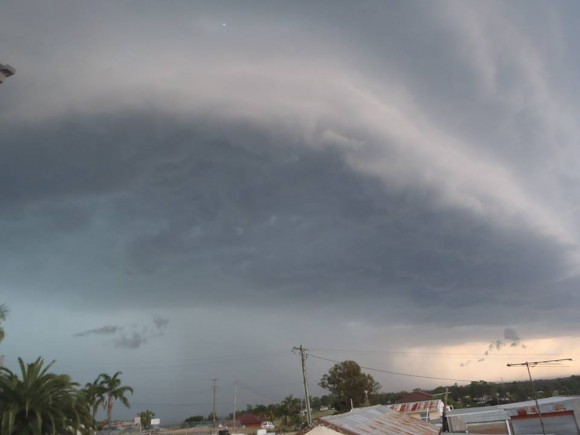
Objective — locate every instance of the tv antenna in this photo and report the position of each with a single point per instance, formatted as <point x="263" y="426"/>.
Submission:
<point x="547" y="363"/>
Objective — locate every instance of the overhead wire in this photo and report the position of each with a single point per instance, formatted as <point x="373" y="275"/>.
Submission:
<point x="390" y="372"/>
<point x="498" y="354"/>
<point x="185" y="363"/>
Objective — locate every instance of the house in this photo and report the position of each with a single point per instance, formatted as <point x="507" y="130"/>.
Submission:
<point x="248" y="420"/>
<point x="426" y="410"/>
<point x="415" y="396"/>
<point x="377" y="419"/>
<point x="421" y="405"/>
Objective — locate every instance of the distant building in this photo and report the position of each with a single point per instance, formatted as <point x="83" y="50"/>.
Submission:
<point x="426" y="410"/>
<point x="420" y="405"/>
<point x="248" y="420"/>
<point x="415" y="396"/>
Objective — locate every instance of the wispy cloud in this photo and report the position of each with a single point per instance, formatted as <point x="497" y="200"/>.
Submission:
<point x="130" y="336"/>
<point x="103" y="330"/>
<point x="510" y="339"/>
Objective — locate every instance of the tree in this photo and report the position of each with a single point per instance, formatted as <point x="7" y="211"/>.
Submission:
<point x="146" y="417"/>
<point x="95" y="395"/>
<point x="114" y="391"/>
<point x="346" y="382"/>
<point x="3" y="312"/>
<point x="41" y="403"/>
<point x="291" y="408"/>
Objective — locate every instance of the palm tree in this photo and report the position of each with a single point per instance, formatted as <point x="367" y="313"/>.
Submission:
<point x="3" y="312"/>
<point x="146" y="417"/>
<point x="291" y="407"/>
<point x="95" y="394"/>
<point x="41" y="403"/>
<point x="114" y="391"/>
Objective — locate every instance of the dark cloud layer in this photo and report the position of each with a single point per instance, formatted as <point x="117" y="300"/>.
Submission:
<point x="207" y="216"/>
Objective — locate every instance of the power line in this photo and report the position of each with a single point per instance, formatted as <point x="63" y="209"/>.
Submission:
<point x="185" y="363"/>
<point x="497" y="354"/>
<point x="174" y="404"/>
<point x="397" y="373"/>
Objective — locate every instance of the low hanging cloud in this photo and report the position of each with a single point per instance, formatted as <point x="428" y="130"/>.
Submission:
<point x="510" y="339"/>
<point x="130" y="336"/>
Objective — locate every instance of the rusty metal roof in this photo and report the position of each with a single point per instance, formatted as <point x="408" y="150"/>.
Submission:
<point x="378" y="419"/>
<point x="423" y="406"/>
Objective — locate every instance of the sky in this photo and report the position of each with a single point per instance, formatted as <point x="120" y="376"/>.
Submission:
<point x="189" y="190"/>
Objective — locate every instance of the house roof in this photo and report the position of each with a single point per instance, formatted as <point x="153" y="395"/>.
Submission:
<point x="322" y="430"/>
<point x="378" y="419"/>
<point x="544" y="403"/>
<point x="423" y="406"/>
<point x="248" y="419"/>
<point x="415" y="396"/>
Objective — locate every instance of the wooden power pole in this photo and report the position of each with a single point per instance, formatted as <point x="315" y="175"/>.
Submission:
<point x="214" y="388"/>
<point x="307" y="396"/>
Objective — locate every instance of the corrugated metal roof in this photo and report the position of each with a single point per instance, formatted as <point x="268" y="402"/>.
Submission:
<point x="488" y="414"/>
<point x="544" y="404"/>
<point x="544" y="401"/>
<point x="423" y="406"/>
<point x="379" y="419"/>
<point x="322" y="430"/>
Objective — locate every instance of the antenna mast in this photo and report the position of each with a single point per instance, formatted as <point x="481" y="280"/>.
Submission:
<point x="535" y="364"/>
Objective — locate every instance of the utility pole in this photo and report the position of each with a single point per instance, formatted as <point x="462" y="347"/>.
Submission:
<point x="445" y="424"/>
<point x="534" y="364"/>
<point x="307" y="396"/>
<point x="214" y="387"/>
<point x="235" y="405"/>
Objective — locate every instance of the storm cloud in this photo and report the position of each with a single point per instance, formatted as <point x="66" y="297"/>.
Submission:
<point x="355" y="170"/>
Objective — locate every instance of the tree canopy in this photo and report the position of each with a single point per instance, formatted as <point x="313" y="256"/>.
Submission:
<point x="346" y="381"/>
<point x="3" y="312"/>
<point x="146" y="417"/>
<point x="41" y="403"/>
<point x="113" y="390"/>
<point x="95" y="395"/>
